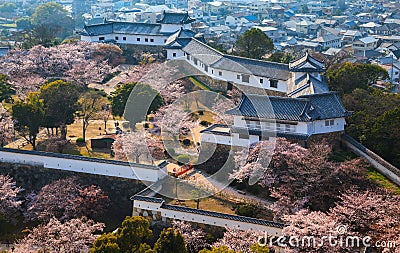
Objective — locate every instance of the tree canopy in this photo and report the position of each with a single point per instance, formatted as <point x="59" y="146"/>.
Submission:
<point x="6" y="90"/>
<point x="143" y="93"/>
<point x="29" y="116"/>
<point x="60" y="104"/>
<point x="347" y="76"/>
<point x="131" y="237"/>
<point x="53" y="18"/>
<point x="170" y="240"/>
<point x="280" y="57"/>
<point x="371" y="108"/>
<point x="254" y="43"/>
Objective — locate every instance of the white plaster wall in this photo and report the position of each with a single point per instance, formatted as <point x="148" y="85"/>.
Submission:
<point x="90" y="167"/>
<point x="204" y="219"/>
<point x="158" y="40"/>
<point x="214" y="138"/>
<point x="179" y="54"/>
<point x="169" y="28"/>
<point x="320" y="128"/>
<point x="172" y="214"/>
<point x="231" y="76"/>
<point x="302" y="127"/>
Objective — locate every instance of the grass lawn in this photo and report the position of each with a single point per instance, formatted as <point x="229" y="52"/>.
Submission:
<point x="13" y="25"/>
<point x="209" y="204"/>
<point x="199" y="84"/>
<point x="382" y="181"/>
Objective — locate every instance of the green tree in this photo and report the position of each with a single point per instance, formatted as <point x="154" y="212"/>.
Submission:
<point x="106" y="243"/>
<point x="384" y="137"/>
<point x="28" y="117"/>
<point x="60" y="102"/>
<point x="247" y="210"/>
<point x="170" y="241"/>
<point x="23" y="23"/>
<point x="254" y="43"/>
<point x="256" y="248"/>
<point x="280" y="57"/>
<point x="53" y="20"/>
<point x="6" y="90"/>
<point x="347" y="76"/>
<point x="7" y="10"/>
<point x="129" y="238"/>
<point x="122" y="97"/>
<point x="90" y="103"/>
<point x="220" y="249"/>
<point x="369" y="108"/>
<point x="132" y="233"/>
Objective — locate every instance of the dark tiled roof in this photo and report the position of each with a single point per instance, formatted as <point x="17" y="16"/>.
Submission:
<point x="175" y="18"/>
<point x="293" y="136"/>
<point x="147" y="199"/>
<point x="305" y="108"/>
<point x="307" y="63"/>
<point x="278" y="108"/>
<point x="224" y="216"/>
<point x="307" y="84"/>
<point x="216" y="59"/>
<point x="256" y="67"/>
<point x="179" y="39"/>
<point x="203" y="52"/>
<point x="123" y="28"/>
<point x="326" y="106"/>
<point x="211" y="129"/>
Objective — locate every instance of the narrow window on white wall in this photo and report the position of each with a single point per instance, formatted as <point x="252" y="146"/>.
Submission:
<point x="173" y="54"/>
<point x="246" y="78"/>
<point x="273" y="83"/>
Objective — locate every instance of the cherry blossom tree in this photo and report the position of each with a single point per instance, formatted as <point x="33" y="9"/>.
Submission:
<point x="172" y="91"/>
<point x="65" y="199"/>
<point x="131" y="146"/>
<point x="76" y="61"/>
<point x="174" y="120"/>
<point x="297" y="177"/>
<point x="194" y="237"/>
<point x="155" y="146"/>
<point x="220" y="107"/>
<point x="310" y="224"/>
<point x="104" y="115"/>
<point x="357" y="213"/>
<point x="238" y="240"/>
<point x="9" y="202"/>
<point x="75" y="235"/>
<point x="6" y="126"/>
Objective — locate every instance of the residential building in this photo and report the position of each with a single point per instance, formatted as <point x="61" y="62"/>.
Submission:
<point x="364" y="44"/>
<point x="328" y="41"/>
